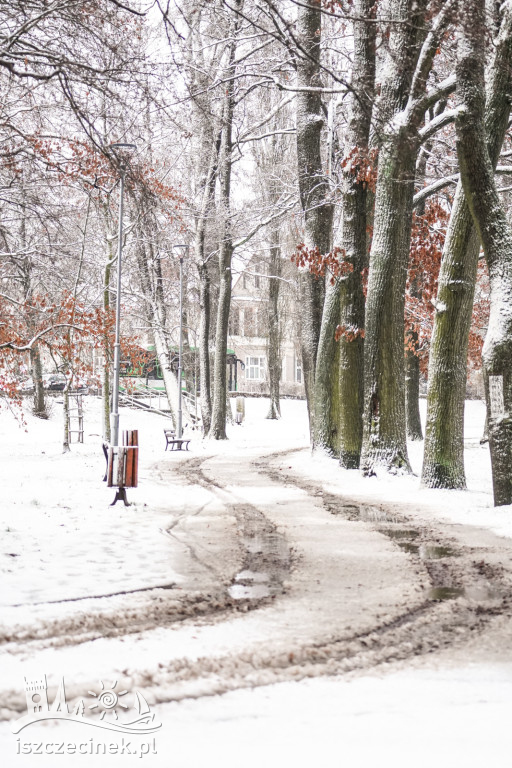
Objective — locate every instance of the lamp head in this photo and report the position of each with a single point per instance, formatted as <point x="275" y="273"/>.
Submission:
<point x="122" y="152"/>
<point x="181" y="250"/>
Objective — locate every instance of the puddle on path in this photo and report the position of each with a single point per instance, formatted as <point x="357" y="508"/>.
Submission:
<point x="376" y="515"/>
<point x="245" y="592"/>
<point x="400" y="533"/>
<point x="480" y="594"/>
<point x="427" y="551"/>
<point x="266" y="560"/>
<point x="366" y="514"/>
<point x="435" y="552"/>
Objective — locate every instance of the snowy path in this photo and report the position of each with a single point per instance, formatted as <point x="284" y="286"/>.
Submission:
<point x="343" y="580"/>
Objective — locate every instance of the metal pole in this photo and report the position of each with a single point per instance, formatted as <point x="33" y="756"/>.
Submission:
<point x="180" y="415"/>
<point x="114" y="416"/>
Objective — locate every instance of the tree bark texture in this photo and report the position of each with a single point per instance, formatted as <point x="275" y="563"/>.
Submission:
<point x="313" y="190"/>
<point x="477" y="175"/>
<point x="36" y="372"/>
<point x="400" y="112"/>
<point x="384" y="426"/>
<point x="204" y="345"/>
<point x="354" y="242"/>
<point x="412" y="389"/>
<point x="443" y="462"/>
<point x="324" y="429"/>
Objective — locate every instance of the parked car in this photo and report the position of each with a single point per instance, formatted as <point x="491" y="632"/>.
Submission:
<point x="54" y="382"/>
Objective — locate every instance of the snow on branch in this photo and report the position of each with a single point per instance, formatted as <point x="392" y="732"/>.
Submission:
<point x="26" y="347"/>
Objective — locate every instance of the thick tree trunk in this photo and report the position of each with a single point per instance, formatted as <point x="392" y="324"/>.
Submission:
<point x="443" y="459"/>
<point x="354" y="242"/>
<point x="477" y="175"/>
<point x="384" y="425"/>
<point x="443" y="462"/>
<point x="324" y="428"/>
<point x="313" y="189"/>
<point x="402" y="105"/>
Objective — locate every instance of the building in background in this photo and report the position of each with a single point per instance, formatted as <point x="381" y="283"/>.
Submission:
<point x="248" y="334"/>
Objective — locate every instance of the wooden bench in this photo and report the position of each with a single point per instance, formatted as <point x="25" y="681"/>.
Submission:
<point x="175" y="443"/>
<point x="170" y="434"/>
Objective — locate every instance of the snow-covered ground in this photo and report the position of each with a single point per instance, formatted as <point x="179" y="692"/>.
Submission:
<point x="62" y="541"/>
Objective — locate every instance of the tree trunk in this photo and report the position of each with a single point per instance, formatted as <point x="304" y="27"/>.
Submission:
<point x="443" y="462"/>
<point x="218" y="423"/>
<point x="324" y="428"/>
<point x="412" y="389"/>
<point x="384" y="430"/>
<point x="66" y="437"/>
<point x="107" y="352"/>
<point x="204" y="345"/>
<point x="443" y="459"/>
<point x="354" y="242"/>
<point x="36" y="371"/>
<point x="401" y="111"/>
<point x="274" y="337"/>
<point x="210" y="149"/>
<point x="36" y="368"/>
<point x="477" y="175"/>
<point x="155" y="315"/>
<point x="313" y="189"/>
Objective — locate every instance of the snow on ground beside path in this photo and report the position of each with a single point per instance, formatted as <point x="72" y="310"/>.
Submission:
<point x="60" y="537"/>
<point x="423" y="718"/>
<point x="471" y="507"/>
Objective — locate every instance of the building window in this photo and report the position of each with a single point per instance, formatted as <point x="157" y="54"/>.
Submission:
<point x="255" y="368"/>
<point x="259" y="269"/>
<point x="251" y="321"/>
<point x="245" y="282"/>
<point x="298" y="370"/>
<point x="234" y="322"/>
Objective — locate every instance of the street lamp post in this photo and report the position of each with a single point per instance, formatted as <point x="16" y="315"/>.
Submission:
<point x="182" y="250"/>
<point x="114" y="416"/>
